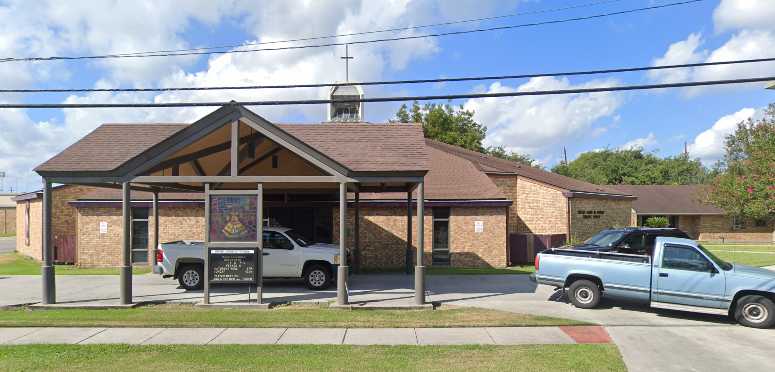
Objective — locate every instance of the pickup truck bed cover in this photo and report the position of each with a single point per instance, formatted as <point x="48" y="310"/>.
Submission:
<point x="600" y="255"/>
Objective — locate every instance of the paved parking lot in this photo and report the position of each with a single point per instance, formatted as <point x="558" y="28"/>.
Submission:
<point x="648" y="339"/>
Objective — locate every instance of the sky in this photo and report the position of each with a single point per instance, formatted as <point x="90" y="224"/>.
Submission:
<point x="659" y="121"/>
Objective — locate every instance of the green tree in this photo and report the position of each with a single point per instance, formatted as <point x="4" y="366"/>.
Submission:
<point x="633" y="167"/>
<point x="745" y="185"/>
<point x="500" y="152"/>
<point x="447" y="124"/>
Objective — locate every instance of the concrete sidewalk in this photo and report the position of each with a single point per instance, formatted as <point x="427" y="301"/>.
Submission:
<point x="317" y="336"/>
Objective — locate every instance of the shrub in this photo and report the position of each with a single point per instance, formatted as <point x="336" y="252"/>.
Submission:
<point x="657" y="221"/>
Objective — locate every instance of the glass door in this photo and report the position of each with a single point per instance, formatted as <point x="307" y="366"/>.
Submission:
<point x="440" y="248"/>
<point x="140" y="235"/>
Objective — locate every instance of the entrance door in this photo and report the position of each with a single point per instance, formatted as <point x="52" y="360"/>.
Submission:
<point x="140" y="235"/>
<point x="440" y="248"/>
<point x="686" y="277"/>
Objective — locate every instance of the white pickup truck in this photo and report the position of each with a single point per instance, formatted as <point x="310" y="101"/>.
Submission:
<point x="286" y="255"/>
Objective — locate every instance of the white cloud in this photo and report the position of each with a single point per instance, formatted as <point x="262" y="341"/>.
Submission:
<point x="101" y="27"/>
<point x="753" y="25"/>
<point x="538" y="124"/>
<point x="734" y="14"/>
<point x="709" y="145"/>
<point x="640" y="143"/>
<point x="680" y="52"/>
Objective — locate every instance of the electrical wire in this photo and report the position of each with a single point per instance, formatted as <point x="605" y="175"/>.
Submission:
<point x="386" y="99"/>
<point x="395" y="29"/>
<point x="356" y="42"/>
<point x="394" y="82"/>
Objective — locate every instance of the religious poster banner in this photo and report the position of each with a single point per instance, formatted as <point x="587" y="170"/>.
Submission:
<point x="233" y="218"/>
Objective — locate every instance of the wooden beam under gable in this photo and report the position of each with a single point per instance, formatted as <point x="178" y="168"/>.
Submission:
<point x="200" y="154"/>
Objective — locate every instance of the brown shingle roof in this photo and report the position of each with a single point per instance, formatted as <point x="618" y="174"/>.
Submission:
<point x="109" y="146"/>
<point x="450" y="177"/>
<point x="363" y="147"/>
<point x="668" y="199"/>
<point x="360" y="147"/>
<point x="491" y="164"/>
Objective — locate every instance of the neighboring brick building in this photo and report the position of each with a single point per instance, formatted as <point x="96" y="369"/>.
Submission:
<point x="685" y="209"/>
<point x="7" y="214"/>
<point x="482" y="203"/>
<point x="548" y="209"/>
<point x="479" y="210"/>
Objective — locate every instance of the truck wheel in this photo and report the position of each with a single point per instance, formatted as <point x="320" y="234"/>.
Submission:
<point x="191" y="277"/>
<point x="317" y="277"/>
<point x="755" y="311"/>
<point x="584" y="294"/>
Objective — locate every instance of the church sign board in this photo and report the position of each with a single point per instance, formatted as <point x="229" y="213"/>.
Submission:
<point x="236" y="266"/>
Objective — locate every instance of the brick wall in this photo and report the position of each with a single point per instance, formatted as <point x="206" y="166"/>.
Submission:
<point x="383" y="236"/>
<point x="95" y="249"/>
<point x="689" y="225"/>
<point x="717" y="228"/>
<point x="471" y="249"/>
<point x="537" y="208"/>
<point x="100" y="250"/>
<point x="33" y="247"/>
<point x="590" y="215"/>
<point x="8" y="221"/>
<point x="63" y="219"/>
<point x="508" y="186"/>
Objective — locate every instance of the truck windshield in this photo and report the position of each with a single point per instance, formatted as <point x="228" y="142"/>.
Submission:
<point x="298" y="238"/>
<point x="726" y="266"/>
<point x="605" y="238"/>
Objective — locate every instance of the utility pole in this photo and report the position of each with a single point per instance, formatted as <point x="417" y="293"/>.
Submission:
<point x="347" y="59"/>
<point x="564" y="156"/>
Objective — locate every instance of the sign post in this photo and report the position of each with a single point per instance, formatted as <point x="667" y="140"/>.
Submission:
<point x="233" y="239"/>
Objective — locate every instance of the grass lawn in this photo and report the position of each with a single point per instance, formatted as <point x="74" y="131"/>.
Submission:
<point x="16" y="264"/>
<point x="746" y="254"/>
<point x="282" y="316"/>
<point x="586" y="357"/>
<point x="7" y="235"/>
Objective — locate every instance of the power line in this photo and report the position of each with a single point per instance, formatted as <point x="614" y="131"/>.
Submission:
<point x="394" y="82"/>
<point x="295" y="47"/>
<point x="385" y="99"/>
<point x="395" y="29"/>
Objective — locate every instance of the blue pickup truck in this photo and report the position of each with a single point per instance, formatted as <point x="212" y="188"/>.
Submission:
<point x="679" y="275"/>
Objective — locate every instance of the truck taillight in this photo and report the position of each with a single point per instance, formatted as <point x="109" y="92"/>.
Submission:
<point x="159" y="255"/>
<point x="538" y="261"/>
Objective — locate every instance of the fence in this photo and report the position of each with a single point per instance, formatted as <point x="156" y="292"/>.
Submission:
<point x="524" y="247"/>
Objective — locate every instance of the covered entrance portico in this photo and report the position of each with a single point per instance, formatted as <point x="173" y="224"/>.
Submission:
<point x="235" y="149"/>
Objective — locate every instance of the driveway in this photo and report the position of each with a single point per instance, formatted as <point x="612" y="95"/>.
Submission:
<point x="648" y="339"/>
<point x="7" y="245"/>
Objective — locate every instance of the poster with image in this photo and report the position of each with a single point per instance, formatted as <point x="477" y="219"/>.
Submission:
<point x="233" y="218"/>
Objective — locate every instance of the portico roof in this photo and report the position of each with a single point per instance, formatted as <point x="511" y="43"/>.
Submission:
<point x="120" y="152"/>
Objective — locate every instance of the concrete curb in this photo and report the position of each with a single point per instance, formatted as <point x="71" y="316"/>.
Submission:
<point x="226" y="305"/>
<point x="79" y="305"/>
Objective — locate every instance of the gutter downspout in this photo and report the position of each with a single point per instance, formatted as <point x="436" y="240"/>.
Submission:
<point x="568" y="213"/>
